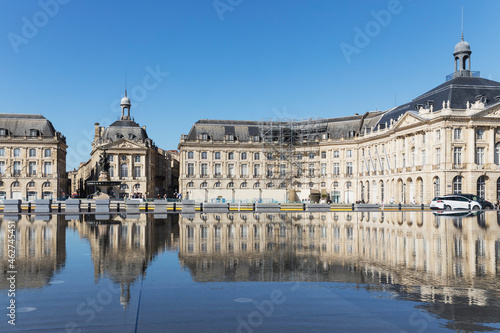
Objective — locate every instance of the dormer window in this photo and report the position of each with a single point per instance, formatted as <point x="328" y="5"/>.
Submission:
<point x="118" y="136"/>
<point x="3" y="132"/>
<point x="131" y="136"/>
<point x="33" y="132"/>
<point x="204" y="137"/>
<point x="230" y="137"/>
<point x="256" y="138"/>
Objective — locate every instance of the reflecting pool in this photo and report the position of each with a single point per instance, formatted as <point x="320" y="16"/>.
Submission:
<point x="250" y="272"/>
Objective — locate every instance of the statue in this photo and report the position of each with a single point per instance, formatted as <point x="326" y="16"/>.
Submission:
<point x="104" y="162"/>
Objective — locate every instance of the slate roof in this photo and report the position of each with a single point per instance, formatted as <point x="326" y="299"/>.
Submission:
<point x="21" y="124"/>
<point x="126" y="129"/>
<point x="458" y="91"/>
<point x="245" y="130"/>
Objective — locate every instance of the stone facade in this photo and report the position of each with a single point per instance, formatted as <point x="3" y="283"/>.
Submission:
<point x="444" y="141"/>
<point x="32" y="158"/>
<point x="135" y="161"/>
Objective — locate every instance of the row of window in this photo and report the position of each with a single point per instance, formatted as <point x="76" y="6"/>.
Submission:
<point x="270" y="170"/>
<point x="137" y="158"/>
<point x="269" y="156"/>
<point x="124" y="171"/>
<point x="258" y="185"/>
<point x="32" y="168"/>
<point x="31" y="152"/>
<point x="30" y="184"/>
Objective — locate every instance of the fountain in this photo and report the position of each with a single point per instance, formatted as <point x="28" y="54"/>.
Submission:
<point x="103" y="184"/>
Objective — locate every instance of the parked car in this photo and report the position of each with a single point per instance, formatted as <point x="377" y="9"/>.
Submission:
<point x="484" y="203"/>
<point x="454" y="201"/>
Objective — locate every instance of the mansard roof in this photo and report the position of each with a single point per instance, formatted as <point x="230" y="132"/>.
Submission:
<point x="457" y="91"/>
<point x="21" y="124"/>
<point x="125" y="129"/>
<point x="245" y="130"/>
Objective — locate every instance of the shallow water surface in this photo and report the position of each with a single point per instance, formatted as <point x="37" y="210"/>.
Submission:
<point x="296" y="272"/>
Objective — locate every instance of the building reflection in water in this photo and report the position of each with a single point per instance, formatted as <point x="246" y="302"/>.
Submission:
<point x="122" y="247"/>
<point x="439" y="260"/>
<point x="40" y="250"/>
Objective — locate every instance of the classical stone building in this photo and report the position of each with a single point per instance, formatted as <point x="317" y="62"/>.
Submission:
<point x="32" y="158"/>
<point x="134" y="160"/>
<point x="445" y="140"/>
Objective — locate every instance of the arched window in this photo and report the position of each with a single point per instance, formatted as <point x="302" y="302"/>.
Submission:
<point x="437" y="186"/>
<point x="481" y="187"/>
<point x="124" y="170"/>
<point x="498" y="189"/>
<point x="457" y="185"/>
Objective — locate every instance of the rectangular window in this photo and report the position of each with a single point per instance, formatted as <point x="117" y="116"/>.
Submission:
<point x="413" y="157"/>
<point x="269" y="170"/>
<point x="311" y="170"/>
<point x="480" y="156"/>
<point x="269" y="156"/>
<point x="204" y="169"/>
<point x="336" y="154"/>
<point x="17" y="152"/>
<point x="47" y="169"/>
<point x="110" y="158"/>
<point x="137" y="171"/>
<point x="423" y="138"/>
<point x="349" y="153"/>
<point x="190" y="169"/>
<point x="217" y="155"/>
<point x="336" y="168"/>
<point x="48" y="153"/>
<point x="32" y="152"/>
<point x="438" y="135"/>
<point x="256" y="170"/>
<point x="323" y="169"/>
<point x="244" y="170"/>
<point x="282" y="170"/>
<point x="204" y="155"/>
<point x="404" y="161"/>
<point x="230" y="170"/>
<point x="457" y="134"/>
<point x="311" y="156"/>
<point x="423" y="157"/>
<point x="323" y="154"/>
<point x="190" y="155"/>
<point x="349" y="168"/>
<point x="137" y="159"/>
<point x="480" y="134"/>
<point x="111" y="172"/>
<point x="457" y="156"/>
<point x="299" y="156"/>
<point x="243" y="156"/>
<point x="2" y="151"/>
<point x="230" y="156"/>
<point x="2" y="167"/>
<point x="218" y="169"/>
<point x="256" y="156"/>
<point x="437" y="159"/>
<point x="336" y="196"/>
<point x="32" y="168"/>
<point x="17" y="168"/>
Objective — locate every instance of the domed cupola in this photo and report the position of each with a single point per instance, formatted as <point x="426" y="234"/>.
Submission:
<point x="462" y="59"/>
<point x="125" y="104"/>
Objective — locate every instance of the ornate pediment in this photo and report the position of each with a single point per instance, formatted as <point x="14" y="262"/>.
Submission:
<point x="123" y="144"/>
<point x="406" y="120"/>
<point x="493" y="112"/>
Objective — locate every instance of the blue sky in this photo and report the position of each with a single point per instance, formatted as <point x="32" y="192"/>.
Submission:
<point x="228" y="59"/>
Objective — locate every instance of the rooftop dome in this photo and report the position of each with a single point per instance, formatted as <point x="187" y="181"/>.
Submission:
<point x="125" y="100"/>
<point x="462" y="47"/>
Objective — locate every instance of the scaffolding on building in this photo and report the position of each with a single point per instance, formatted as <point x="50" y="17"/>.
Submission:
<point x="287" y="145"/>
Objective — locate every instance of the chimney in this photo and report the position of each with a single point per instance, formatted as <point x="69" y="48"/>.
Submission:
<point x="96" y="130"/>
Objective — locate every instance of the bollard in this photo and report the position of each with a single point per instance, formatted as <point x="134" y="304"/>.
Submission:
<point x="146" y="207"/>
<point x="253" y="206"/>
<point x="89" y="207"/>
<point x="353" y="206"/>
<point x="400" y="206"/>
<point x="117" y="206"/>
<point x="304" y="207"/>
<point x="175" y="206"/>
<point x="422" y="206"/>
<point x="58" y="207"/>
<point x="29" y="207"/>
